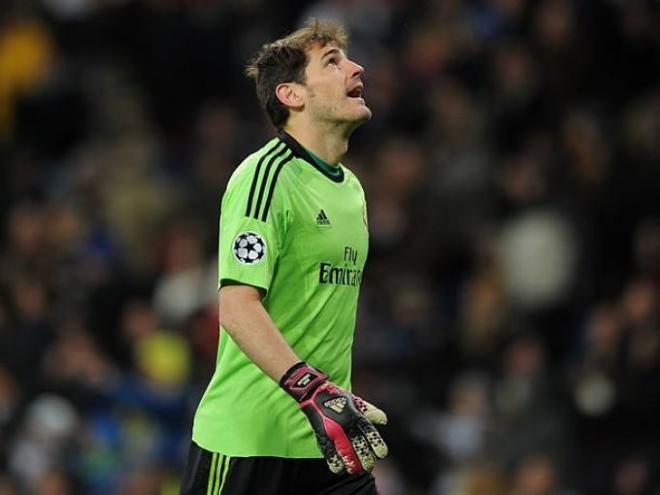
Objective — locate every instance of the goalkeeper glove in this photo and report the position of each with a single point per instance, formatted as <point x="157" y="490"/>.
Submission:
<point x="343" y="423"/>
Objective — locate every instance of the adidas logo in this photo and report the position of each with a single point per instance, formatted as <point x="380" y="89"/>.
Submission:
<point x="304" y="380"/>
<point x="322" y="218"/>
<point x="337" y="405"/>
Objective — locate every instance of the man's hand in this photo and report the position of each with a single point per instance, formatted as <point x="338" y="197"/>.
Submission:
<point x="343" y="423"/>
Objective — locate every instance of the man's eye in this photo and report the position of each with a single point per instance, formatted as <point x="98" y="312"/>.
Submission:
<point x="333" y="61"/>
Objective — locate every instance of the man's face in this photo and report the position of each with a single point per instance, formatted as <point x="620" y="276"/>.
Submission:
<point x="333" y="86"/>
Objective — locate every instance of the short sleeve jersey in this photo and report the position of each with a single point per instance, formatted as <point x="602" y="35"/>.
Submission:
<point x="299" y="233"/>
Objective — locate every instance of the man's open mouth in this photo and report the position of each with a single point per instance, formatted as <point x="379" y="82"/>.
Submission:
<point x="356" y="92"/>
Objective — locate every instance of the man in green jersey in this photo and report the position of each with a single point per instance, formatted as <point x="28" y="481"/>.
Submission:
<point x="293" y="244"/>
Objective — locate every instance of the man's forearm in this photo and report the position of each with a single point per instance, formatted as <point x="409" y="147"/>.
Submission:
<point x="250" y="326"/>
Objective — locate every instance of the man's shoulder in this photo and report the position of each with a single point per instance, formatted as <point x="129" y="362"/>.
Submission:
<point x="350" y="175"/>
<point x="260" y="181"/>
<point x="250" y="161"/>
<point x="268" y="157"/>
<point x="352" y="179"/>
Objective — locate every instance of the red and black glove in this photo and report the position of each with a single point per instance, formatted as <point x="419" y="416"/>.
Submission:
<point x="343" y="423"/>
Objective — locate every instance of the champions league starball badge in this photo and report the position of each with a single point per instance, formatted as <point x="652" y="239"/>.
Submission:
<point x="249" y="248"/>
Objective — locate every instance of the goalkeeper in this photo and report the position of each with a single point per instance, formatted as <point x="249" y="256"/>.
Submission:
<point x="277" y="416"/>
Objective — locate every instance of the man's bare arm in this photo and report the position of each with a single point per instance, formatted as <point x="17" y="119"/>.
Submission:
<point x="250" y="325"/>
<point x="343" y="446"/>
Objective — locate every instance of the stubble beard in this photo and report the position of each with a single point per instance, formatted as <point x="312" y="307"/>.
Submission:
<point x="338" y="116"/>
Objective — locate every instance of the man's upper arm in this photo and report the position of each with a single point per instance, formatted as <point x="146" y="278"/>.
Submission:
<point x="232" y="296"/>
<point x="252" y="229"/>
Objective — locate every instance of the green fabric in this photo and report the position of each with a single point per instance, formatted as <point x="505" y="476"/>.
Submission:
<point x="315" y="239"/>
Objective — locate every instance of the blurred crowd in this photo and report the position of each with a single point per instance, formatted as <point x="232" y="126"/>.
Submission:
<point x="509" y="315"/>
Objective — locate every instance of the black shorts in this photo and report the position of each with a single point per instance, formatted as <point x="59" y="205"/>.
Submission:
<point x="209" y="473"/>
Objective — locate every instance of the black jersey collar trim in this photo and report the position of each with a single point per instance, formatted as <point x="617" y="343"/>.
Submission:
<point x="300" y="152"/>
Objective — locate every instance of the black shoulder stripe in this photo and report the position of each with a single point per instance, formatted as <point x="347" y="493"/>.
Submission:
<point x="255" y="178"/>
<point x="264" y="180"/>
<point x="271" y="190"/>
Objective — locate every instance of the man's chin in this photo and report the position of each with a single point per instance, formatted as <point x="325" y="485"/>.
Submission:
<point x="358" y="120"/>
<point x="364" y="114"/>
<point x="368" y="113"/>
<point x="355" y="118"/>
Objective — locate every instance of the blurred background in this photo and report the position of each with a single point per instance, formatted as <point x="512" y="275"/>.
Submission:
<point x="509" y="319"/>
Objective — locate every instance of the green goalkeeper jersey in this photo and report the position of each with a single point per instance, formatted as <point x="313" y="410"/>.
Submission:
<point x="297" y="230"/>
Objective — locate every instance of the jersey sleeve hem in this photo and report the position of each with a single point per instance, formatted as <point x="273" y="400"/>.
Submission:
<point x="227" y="281"/>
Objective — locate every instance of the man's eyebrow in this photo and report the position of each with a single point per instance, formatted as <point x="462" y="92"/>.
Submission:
<point x="331" y="51"/>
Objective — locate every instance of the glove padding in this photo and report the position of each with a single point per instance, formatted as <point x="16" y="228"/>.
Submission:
<point x="343" y="423"/>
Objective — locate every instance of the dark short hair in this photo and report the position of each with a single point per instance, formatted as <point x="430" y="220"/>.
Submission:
<point x="285" y="60"/>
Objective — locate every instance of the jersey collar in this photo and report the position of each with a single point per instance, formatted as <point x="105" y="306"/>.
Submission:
<point x="300" y="152"/>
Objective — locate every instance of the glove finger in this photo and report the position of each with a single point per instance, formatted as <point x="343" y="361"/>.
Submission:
<point x="351" y="461"/>
<point x="364" y="453"/>
<point x="329" y="451"/>
<point x="376" y="442"/>
<point x="338" y="450"/>
<point x="335" y="463"/>
<point x="371" y="412"/>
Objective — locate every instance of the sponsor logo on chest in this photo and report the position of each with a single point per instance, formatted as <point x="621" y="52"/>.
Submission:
<point x="348" y="274"/>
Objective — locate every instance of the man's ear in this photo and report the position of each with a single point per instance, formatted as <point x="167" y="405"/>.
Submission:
<point x="290" y="95"/>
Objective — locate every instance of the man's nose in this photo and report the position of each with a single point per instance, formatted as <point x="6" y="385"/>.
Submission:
<point x="355" y="69"/>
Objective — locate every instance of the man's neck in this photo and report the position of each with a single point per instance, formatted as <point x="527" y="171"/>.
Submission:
<point x="330" y="145"/>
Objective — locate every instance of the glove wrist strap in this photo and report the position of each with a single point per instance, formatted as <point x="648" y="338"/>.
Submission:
<point x="301" y="380"/>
